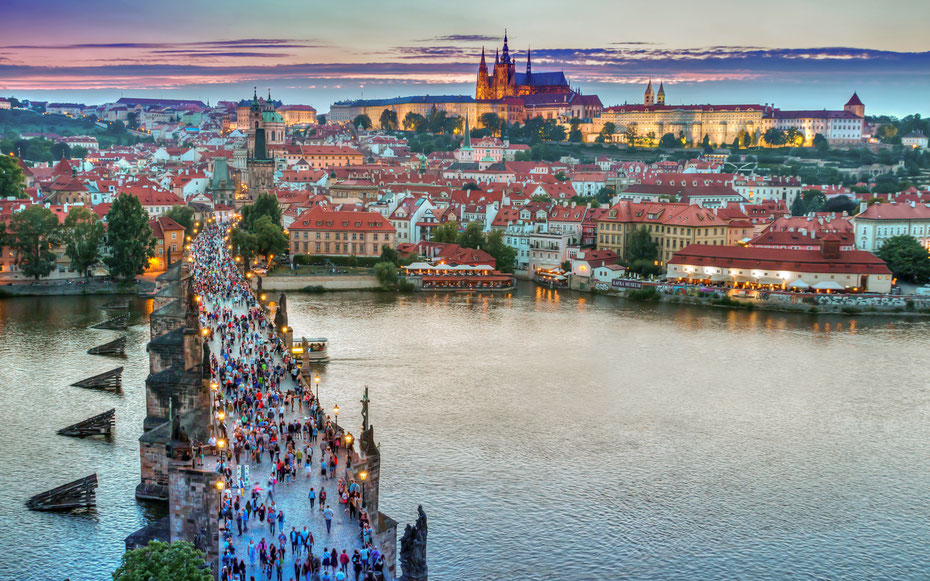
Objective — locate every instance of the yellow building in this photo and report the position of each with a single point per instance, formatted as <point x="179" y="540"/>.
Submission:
<point x="671" y="226"/>
<point x="297" y="114"/>
<point x="720" y="123"/>
<point x="454" y="105"/>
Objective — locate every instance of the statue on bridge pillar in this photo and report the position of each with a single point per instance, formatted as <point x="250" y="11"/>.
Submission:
<point x="413" y="550"/>
<point x="364" y="402"/>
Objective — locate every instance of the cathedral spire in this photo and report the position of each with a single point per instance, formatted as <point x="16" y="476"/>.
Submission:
<point x="505" y="56"/>
<point x="483" y="64"/>
<point x="529" y="66"/>
<point x="496" y="57"/>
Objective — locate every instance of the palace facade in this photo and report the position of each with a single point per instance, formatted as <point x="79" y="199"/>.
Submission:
<point x="654" y="118"/>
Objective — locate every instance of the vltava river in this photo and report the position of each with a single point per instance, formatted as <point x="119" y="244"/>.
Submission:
<point x="548" y="435"/>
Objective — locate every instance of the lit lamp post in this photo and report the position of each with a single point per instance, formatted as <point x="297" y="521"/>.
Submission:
<point x="316" y="380"/>
<point x="336" y="413"/>
<point x="363" y="475"/>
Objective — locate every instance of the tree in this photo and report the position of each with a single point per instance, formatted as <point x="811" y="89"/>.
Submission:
<point x="471" y="186"/>
<point x="386" y="273"/>
<point x="447" y="232"/>
<point x="906" y="258"/>
<point x="362" y="121"/>
<point x="436" y="120"/>
<point x="642" y="253"/>
<point x="129" y="236"/>
<point x="83" y="234"/>
<point x="388" y="119"/>
<point x="840" y="203"/>
<point x="555" y="132"/>
<point x="705" y="144"/>
<point x="797" y="206"/>
<point x="270" y="238"/>
<point x="472" y="236"/>
<point x="630" y="134"/>
<point x="157" y="561"/>
<point x="821" y="143"/>
<point x="389" y="254"/>
<point x="414" y="122"/>
<point x="504" y="255"/>
<point x="774" y="137"/>
<point x="452" y="124"/>
<point x="244" y="244"/>
<point x="669" y="140"/>
<point x="60" y="151"/>
<point x="607" y="132"/>
<point x="116" y="128"/>
<point x="887" y="132"/>
<point x="491" y="122"/>
<point x="814" y="200"/>
<point x="33" y="233"/>
<point x="574" y="135"/>
<point x="264" y="205"/>
<point x="12" y="178"/>
<point x="183" y="215"/>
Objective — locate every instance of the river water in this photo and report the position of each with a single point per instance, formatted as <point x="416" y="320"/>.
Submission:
<point x="548" y="435"/>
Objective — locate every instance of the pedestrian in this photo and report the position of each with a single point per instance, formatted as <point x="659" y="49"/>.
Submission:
<point x="312" y="496"/>
<point x="328" y="515"/>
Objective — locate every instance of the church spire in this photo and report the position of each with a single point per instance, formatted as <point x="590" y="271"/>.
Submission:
<point x="529" y="65"/>
<point x="496" y="58"/>
<point x="505" y="56"/>
<point x="466" y="141"/>
<point x="483" y="65"/>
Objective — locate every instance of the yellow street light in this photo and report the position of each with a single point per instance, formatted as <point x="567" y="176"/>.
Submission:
<point x="220" y="485"/>
<point x="205" y="331"/>
<point x="262" y="297"/>
<point x="348" y="439"/>
<point x="363" y="474"/>
<point x="214" y="385"/>
<point x="284" y="329"/>
<point x="221" y="443"/>
<point x="336" y="412"/>
<point x="221" y="415"/>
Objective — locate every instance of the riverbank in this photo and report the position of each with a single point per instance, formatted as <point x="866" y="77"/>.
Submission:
<point x="315" y="283"/>
<point x="789" y="302"/>
<point x="66" y="288"/>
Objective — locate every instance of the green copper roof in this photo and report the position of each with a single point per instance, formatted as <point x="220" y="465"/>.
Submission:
<point x="272" y="117"/>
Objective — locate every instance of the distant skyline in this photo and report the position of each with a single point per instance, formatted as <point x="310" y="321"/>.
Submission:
<point x="796" y="54"/>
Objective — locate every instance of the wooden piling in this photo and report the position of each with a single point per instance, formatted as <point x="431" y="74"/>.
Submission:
<point x="99" y="425"/>
<point x="109" y="381"/>
<point x="81" y="493"/>
<point x="115" y="347"/>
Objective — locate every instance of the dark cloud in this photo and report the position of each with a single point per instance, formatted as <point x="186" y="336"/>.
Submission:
<point x="237" y="43"/>
<point x="463" y="38"/>
<point x="228" y="54"/>
<point x="412" y="52"/>
<point x="423" y="64"/>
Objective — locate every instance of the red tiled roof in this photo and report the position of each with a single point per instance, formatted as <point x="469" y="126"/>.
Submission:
<point x="850" y="261"/>
<point x="318" y="218"/>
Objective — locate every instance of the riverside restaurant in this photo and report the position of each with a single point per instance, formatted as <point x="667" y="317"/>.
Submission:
<point x="828" y="270"/>
<point x="457" y="277"/>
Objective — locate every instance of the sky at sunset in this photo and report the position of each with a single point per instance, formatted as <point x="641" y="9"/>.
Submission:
<point x="809" y="54"/>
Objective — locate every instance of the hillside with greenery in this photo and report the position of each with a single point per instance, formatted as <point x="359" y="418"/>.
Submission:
<point x="13" y="123"/>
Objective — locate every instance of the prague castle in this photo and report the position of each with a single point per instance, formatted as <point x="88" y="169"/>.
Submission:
<point x="505" y="81"/>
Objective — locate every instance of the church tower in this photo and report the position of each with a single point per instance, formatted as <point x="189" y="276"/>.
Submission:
<point x="483" y="86"/>
<point x="529" y="68"/>
<point x="649" y="98"/>
<point x="660" y="96"/>
<point x="855" y="106"/>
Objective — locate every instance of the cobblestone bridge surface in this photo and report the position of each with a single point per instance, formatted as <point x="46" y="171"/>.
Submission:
<point x="244" y="533"/>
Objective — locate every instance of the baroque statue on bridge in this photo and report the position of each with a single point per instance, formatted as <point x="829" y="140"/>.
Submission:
<point x="413" y="550"/>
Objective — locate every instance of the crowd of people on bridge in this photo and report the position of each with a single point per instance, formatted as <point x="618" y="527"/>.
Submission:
<point x="258" y="389"/>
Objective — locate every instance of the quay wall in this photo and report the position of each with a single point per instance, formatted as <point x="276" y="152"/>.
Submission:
<point x="337" y="283"/>
<point x="813" y="303"/>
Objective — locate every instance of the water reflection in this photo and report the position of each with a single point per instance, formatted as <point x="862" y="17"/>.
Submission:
<point x="555" y="435"/>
